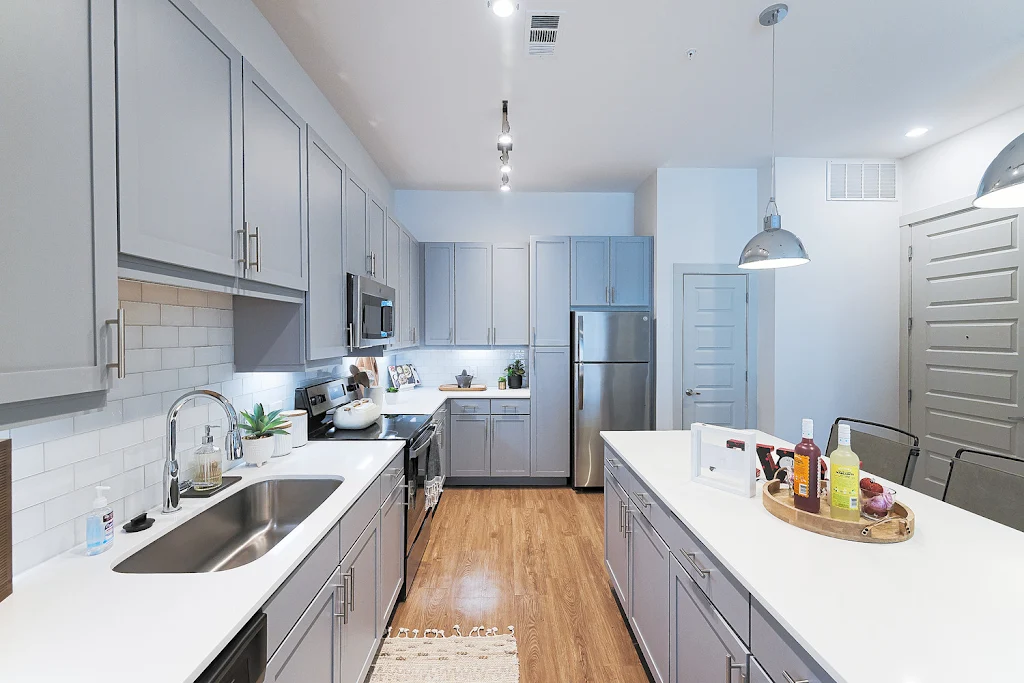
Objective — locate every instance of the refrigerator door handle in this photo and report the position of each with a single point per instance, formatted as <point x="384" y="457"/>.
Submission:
<point x="579" y="336"/>
<point x="579" y="387"/>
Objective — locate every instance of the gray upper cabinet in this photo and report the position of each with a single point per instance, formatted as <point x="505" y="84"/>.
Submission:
<point x="473" y="294"/>
<point x="359" y="631"/>
<point x="179" y="130"/>
<point x="616" y="549"/>
<point x="392" y="256"/>
<point x="57" y="199"/>
<point x="648" y="594"/>
<point x="549" y="291"/>
<point x="549" y="406"/>
<point x="357" y="257"/>
<point x="510" y="452"/>
<point x="589" y="271"/>
<point x="416" y="291"/>
<point x="403" y="335"/>
<point x="326" y="298"/>
<point x="510" y="286"/>
<point x="631" y="271"/>
<point x="470" y="446"/>
<point x="439" y="293"/>
<point x="376" y="228"/>
<point x="311" y="650"/>
<point x="274" y="174"/>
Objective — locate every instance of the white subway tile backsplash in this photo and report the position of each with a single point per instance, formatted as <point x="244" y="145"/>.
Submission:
<point x="207" y="355"/>
<point x="154" y="427"/>
<point x="144" y="453"/>
<point x="63" y="452"/>
<point x="219" y="300"/>
<point x="94" y="470"/>
<point x="220" y="336"/>
<point x="133" y="337"/>
<point x="207" y="317"/>
<point x="129" y="290"/>
<point x="192" y="297"/>
<point x="30" y="435"/>
<point x="39" y="548"/>
<point x="26" y="461"/>
<point x="221" y="373"/>
<point x="159" y="381"/>
<point x="192" y="336"/>
<point x="121" y="436"/>
<point x="111" y="414"/>
<point x="27" y="523"/>
<point x="128" y="387"/>
<point x="193" y="377"/>
<point x="175" y="316"/>
<point x="142" y="360"/>
<point x="159" y="337"/>
<point x="142" y="407"/>
<point x="172" y="359"/>
<point x="137" y="313"/>
<point x="42" y="487"/>
<point x="140" y="501"/>
<point x="159" y="294"/>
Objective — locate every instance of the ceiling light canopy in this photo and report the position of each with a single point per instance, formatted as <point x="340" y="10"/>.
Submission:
<point x="773" y="247"/>
<point x="916" y="132"/>
<point x="503" y="8"/>
<point x="1002" y="186"/>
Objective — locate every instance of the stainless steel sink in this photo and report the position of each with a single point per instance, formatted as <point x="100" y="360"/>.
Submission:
<point x="239" y="529"/>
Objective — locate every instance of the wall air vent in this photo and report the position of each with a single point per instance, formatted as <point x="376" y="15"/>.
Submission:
<point x="542" y="30"/>
<point x="861" y="181"/>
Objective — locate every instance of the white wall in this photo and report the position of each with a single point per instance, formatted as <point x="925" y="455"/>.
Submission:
<point x="952" y="169"/>
<point x="247" y="29"/>
<point x="836" y="318"/>
<point x="766" y="320"/>
<point x="436" y="216"/>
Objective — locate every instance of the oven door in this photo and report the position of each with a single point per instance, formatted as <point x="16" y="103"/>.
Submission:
<point x="417" y="508"/>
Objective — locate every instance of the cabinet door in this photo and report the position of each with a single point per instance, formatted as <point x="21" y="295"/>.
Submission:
<point x="405" y="272"/>
<point x="392" y="253"/>
<point x="376" y="227"/>
<point x="326" y="298"/>
<point x="416" y="291"/>
<point x="357" y="256"/>
<point x="757" y="674"/>
<point x="439" y="294"/>
<point x="274" y="184"/>
<point x="549" y="409"/>
<point x="616" y="550"/>
<point x="392" y="553"/>
<point x="648" y="594"/>
<point x="702" y="644"/>
<point x="549" y="291"/>
<point x="510" y="445"/>
<point x="473" y="294"/>
<point x="510" y="284"/>
<point x="179" y="137"/>
<point x="470" y="446"/>
<point x="58" y="208"/>
<point x="631" y="271"/>
<point x="589" y="271"/>
<point x="359" y="631"/>
<point x="311" y="652"/>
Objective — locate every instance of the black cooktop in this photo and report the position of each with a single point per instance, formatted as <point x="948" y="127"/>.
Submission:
<point x="405" y="427"/>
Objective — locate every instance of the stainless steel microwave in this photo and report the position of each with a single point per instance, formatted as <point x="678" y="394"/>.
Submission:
<point x="371" y="312"/>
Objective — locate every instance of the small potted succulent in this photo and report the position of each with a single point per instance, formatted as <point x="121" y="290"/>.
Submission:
<point x="515" y="371"/>
<point x="258" y="443"/>
<point x="391" y="395"/>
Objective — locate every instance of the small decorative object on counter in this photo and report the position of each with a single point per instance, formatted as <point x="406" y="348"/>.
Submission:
<point x="206" y="468"/>
<point x="515" y="371"/>
<point x="300" y="426"/>
<point x="99" y="525"/>
<point x="806" y="470"/>
<point x="875" y="500"/>
<point x="465" y="380"/>
<point x="391" y="395"/>
<point x="502" y="383"/>
<point x="845" y="498"/>
<point x="258" y="445"/>
<point x="768" y="465"/>
<point x="283" y="442"/>
<point x="785" y="461"/>
<point x="140" y="523"/>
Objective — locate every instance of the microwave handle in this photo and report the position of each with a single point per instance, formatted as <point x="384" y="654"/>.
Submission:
<point x="350" y="336"/>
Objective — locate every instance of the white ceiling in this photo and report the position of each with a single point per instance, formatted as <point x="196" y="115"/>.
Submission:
<point x="421" y="83"/>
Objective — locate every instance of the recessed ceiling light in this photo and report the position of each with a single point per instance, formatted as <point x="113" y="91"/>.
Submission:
<point x="916" y="132"/>
<point x="503" y="8"/>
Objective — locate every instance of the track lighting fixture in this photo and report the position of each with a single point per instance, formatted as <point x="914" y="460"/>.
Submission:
<point x="506" y="166"/>
<point x="505" y="146"/>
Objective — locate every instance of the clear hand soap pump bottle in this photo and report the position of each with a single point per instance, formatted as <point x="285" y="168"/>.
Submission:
<point x="99" y="525"/>
<point x="207" y="470"/>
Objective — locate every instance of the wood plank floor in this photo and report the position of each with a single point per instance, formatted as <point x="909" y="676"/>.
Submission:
<point x="532" y="558"/>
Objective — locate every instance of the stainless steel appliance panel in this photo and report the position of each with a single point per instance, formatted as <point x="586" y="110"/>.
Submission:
<point x="611" y="337"/>
<point x="606" y="397"/>
<point x="371" y="312"/>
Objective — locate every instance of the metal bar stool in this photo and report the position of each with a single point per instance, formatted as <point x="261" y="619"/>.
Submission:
<point x="886" y="458"/>
<point x="984" y="490"/>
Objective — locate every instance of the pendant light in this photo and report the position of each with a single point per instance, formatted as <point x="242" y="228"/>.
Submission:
<point x="1002" y="186"/>
<point x="773" y="247"/>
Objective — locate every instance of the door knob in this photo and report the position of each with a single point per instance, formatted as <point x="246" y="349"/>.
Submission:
<point x="691" y="392"/>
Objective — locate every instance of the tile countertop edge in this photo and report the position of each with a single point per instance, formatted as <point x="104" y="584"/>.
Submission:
<point x="37" y="595"/>
<point x="991" y="535"/>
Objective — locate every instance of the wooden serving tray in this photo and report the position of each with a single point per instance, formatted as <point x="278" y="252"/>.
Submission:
<point x="897" y="527"/>
<point x="456" y="387"/>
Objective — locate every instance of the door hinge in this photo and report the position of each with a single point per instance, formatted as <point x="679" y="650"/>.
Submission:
<point x="746" y="375"/>
<point x="748" y="297"/>
<point x="910" y="253"/>
<point x="910" y="395"/>
<point x="910" y="325"/>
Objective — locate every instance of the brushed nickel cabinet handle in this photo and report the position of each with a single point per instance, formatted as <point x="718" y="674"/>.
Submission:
<point x="790" y="679"/>
<point x="692" y="559"/>
<point x="644" y="499"/>
<point x="369" y="263"/>
<point x="255" y="265"/>
<point x="629" y="515"/>
<point x="342" y="600"/>
<point x="606" y="295"/>
<point x="119" y="323"/>
<point x="244" y="233"/>
<point x="729" y="666"/>
<point x="622" y="517"/>
<point x="613" y="295"/>
<point x="351" y="589"/>
<point x="534" y="336"/>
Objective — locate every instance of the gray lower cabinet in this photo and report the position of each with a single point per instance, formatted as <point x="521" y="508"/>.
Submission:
<point x="58" y="198"/>
<point x="616" y="548"/>
<point x="376" y="229"/>
<point x="274" y="168"/>
<point x="549" y="408"/>
<point x="510" y="445"/>
<point x="311" y="653"/>
<point x="589" y="271"/>
<point x="179" y="136"/>
<point x="392" y="553"/>
<point x="470" y="446"/>
<point x="630" y="271"/>
<point x="473" y="294"/>
<point x="703" y="647"/>
<point x="648" y="593"/>
<point x="357" y="256"/>
<point x="439" y="293"/>
<point x="359" y="632"/>
<point x="510" y="299"/>
<point x="778" y="653"/>
<point x="549" y="291"/>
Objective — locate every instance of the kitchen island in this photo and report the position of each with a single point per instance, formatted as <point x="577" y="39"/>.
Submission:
<point x="943" y="606"/>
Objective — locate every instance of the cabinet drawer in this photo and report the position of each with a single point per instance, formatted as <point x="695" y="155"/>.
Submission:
<point x="469" y="406"/>
<point x="613" y="463"/>
<point x="392" y="476"/>
<point x="514" y="406"/>
<point x="359" y="515"/>
<point x="778" y="653"/>
<point x="289" y="602"/>
<point x="727" y="594"/>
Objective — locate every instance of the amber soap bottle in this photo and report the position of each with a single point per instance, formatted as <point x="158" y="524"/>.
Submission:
<point x="807" y="471"/>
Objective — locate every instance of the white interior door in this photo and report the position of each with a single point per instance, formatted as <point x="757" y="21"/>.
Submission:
<point x="715" y="350"/>
<point x="965" y="356"/>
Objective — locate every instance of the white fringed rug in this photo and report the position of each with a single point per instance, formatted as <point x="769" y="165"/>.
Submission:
<point x="483" y="656"/>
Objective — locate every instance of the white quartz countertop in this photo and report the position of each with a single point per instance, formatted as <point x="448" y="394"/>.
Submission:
<point x="944" y="606"/>
<point x="426" y="400"/>
<point x="74" y="619"/>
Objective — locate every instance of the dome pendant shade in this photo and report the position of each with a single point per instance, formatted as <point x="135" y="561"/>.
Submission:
<point x="1002" y="186"/>
<point x="773" y="247"/>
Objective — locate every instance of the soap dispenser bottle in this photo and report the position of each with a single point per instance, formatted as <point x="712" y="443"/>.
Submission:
<point x="99" y="525"/>
<point x="207" y="469"/>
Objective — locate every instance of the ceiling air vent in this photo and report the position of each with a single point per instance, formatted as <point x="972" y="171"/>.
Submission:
<point x="861" y="181"/>
<point x="542" y="34"/>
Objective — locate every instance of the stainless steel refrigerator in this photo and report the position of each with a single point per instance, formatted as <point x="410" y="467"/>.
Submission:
<point x="611" y="384"/>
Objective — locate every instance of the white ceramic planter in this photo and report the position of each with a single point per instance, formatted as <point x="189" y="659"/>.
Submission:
<point x="258" y="451"/>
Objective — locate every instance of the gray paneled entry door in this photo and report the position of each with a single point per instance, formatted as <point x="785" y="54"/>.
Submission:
<point x="965" y="359"/>
<point x="715" y="350"/>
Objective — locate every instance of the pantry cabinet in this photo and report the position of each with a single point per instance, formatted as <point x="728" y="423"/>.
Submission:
<point x="549" y="408"/>
<point x="648" y="593"/>
<point x="58" y="203"/>
<point x="611" y="271"/>
<point x="473" y="294"/>
<point x="274" y="172"/>
<point x="549" y="291"/>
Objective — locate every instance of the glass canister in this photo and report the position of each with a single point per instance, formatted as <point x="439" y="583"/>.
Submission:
<point x="206" y="467"/>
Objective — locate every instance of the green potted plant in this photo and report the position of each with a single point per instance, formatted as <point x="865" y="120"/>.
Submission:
<point x="258" y="443"/>
<point x="515" y="371"/>
<point x="391" y="395"/>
